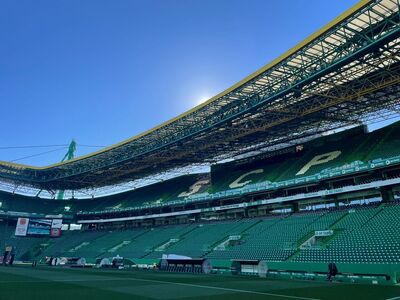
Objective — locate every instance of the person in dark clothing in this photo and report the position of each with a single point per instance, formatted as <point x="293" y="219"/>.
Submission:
<point x="11" y="261"/>
<point x="332" y="271"/>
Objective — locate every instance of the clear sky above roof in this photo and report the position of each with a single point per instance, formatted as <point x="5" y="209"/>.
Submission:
<point x="103" y="71"/>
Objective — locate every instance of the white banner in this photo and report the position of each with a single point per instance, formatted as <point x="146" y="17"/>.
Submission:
<point x="57" y="223"/>
<point x="322" y="233"/>
<point x="22" y="227"/>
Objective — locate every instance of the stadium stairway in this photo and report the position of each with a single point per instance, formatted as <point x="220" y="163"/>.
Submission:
<point x="145" y="244"/>
<point x="108" y="244"/>
<point x="68" y="242"/>
<point x="199" y="242"/>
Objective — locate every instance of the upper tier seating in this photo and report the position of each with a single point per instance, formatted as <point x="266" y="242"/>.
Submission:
<point x="356" y="149"/>
<point x="18" y="203"/>
<point x="333" y="155"/>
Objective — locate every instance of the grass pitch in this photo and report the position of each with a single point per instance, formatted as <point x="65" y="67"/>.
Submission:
<point x="24" y="283"/>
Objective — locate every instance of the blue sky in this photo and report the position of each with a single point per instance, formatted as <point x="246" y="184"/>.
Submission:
<point x="102" y="71"/>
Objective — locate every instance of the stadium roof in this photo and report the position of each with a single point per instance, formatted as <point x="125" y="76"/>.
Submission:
<point x="345" y="74"/>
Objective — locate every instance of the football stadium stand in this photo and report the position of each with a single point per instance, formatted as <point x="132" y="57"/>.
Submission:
<point x="360" y="234"/>
<point x="259" y="208"/>
<point x="297" y="181"/>
<point x="341" y="154"/>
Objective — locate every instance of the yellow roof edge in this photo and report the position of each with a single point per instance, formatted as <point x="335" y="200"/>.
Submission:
<point x="280" y="58"/>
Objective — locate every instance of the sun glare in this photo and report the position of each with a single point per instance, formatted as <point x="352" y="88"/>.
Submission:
<point x="202" y="100"/>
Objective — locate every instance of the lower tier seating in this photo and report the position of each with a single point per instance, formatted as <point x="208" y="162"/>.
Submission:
<point x="367" y="234"/>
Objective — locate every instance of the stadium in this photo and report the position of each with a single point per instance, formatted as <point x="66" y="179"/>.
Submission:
<point x="301" y="199"/>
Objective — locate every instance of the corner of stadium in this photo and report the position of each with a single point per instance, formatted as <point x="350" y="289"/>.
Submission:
<point x="276" y="188"/>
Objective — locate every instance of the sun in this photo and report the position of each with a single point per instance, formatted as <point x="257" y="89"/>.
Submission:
<point x="202" y="100"/>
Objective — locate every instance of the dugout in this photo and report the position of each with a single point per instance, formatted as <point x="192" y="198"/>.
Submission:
<point x="249" y="267"/>
<point x="66" y="261"/>
<point x="187" y="265"/>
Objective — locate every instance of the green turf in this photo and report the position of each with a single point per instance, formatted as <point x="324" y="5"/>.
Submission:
<point x="77" y="284"/>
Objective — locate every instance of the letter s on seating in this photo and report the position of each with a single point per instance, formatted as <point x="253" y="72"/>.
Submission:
<point x="194" y="188"/>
